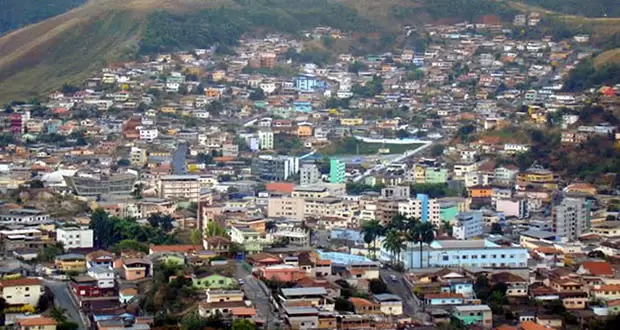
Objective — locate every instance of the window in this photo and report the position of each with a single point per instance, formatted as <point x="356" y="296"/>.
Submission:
<point x="484" y="256"/>
<point x="445" y="258"/>
<point x="27" y="288"/>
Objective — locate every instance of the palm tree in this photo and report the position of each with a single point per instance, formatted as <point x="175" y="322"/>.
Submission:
<point x="394" y="242"/>
<point x="398" y="222"/>
<point x="371" y="230"/>
<point x="58" y="314"/>
<point x="446" y="228"/>
<point x="421" y="232"/>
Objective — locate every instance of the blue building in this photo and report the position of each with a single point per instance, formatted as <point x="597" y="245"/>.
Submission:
<point x="303" y="106"/>
<point x="423" y="198"/>
<point x="308" y="83"/>
<point x="455" y="253"/>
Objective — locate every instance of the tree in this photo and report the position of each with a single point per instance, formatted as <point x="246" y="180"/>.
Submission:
<point x="196" y="237"/>
<point x="377" y="286"/>
<point x="343" y="305"/>
<point x="131" y="245"/>
<point x="421" y="232"/>
<point x="257" y="95"/>
<point x="137" y="190"/>
<point x="446" y="227"/>
<point x="159" y="220"/>
<point x="192" y="321"/>
<point x="436" y="150"/>
<point x="357" y="66"/>
<point x="395" y="243"/>
<point x="58" y="314"/>
<point x="371" y="230"/>
<point x="482" y="288"/>
<point x="123" y="162"/>
<point x="243" y="324"/>
<point x="496" y="229"/>
<point x="214" y="229"/>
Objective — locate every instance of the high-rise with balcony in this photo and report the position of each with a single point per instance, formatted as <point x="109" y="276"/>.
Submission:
<point x="337" y="170"/>
<point x="571" y="218"/>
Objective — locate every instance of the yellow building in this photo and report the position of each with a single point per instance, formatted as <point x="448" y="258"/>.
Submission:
<point x="71" y="263"/>
<point x="537" y="177"/>
<point x="351" y="121"/>
<point x="419" y="173"/>
<point x="168" y="109"/>
<point x="304" y="130"/>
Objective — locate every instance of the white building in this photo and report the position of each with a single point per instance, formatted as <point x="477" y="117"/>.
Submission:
<point x="148" y="133"/>
<point x="468" y="225"/>
<point x="21" y="291"/>
<point x="75" y="238"/>
<point x="571" y="218"/>
<point x="420" y="208"/>
<point x="265" y="140"/>
<point x="456" y="253"/>
<point x="309" y="174"/>
<point x="24" y="215"/>
<point x="104" y="276"/>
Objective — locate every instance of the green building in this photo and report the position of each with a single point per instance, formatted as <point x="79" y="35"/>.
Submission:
<point x="337" y="170"/>
<point x="448" y="211"/>
<point x="213" y="281"/>
<point x="435" y="175"/>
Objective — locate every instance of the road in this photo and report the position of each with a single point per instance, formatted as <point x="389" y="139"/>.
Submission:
<point x="411" y="303"/>
<point x="398" y="159"/>
<point x="63" y="299"/>
<point x="254" y="290"/>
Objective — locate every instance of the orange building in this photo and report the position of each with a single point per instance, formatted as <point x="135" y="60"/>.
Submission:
<point x="304" y="130"/>
<point x="480" y="191"/>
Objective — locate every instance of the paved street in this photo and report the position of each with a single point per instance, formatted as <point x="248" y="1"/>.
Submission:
<point x="63" y="300"/>
<point x="411" y="303"/>
<point x="254" y="289"/>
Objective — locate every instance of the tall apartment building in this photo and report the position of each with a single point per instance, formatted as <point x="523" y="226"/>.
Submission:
<point x="186" y="187"/>
<point x="468" y="225"/>
<point x="309" y="174"/>
<point x="265" y="140"/>
<point x="571" y="218"/>
<point x="422" y="207"/>
<point x="337" y="170"/>
<point x="277" y="168"/>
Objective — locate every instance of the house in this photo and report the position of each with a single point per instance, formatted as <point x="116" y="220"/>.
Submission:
<point x="36" y="322"/>
<point x="21" y="291"/>
<point x="474" y="315"/>
<point x="133" y="269"/>
<point x="606" y="292"/>
<point x="213" y="281"/>
<point x="313" y="296"/>
<point x="364" y="306"/>
<point x="517" y="286"/>
<point x="127" y="294"/>
<point x="104" y="276"/>
<point x="442" y="299"/>
<point x="286" y="273"/>
<point x="217" y="244"/>
<point x="389" y="304"/>
<point x="596" y="268"/>
<point x="71" y="262"/>
<point x="99" y="258"/>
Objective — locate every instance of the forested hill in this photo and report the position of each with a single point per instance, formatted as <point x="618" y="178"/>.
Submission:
<point x="15" y="14"/>
<point x="589" y="8"/>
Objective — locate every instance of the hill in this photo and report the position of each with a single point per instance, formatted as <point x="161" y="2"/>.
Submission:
<point x="18" y="13"/>
<point x="70" y="47"/>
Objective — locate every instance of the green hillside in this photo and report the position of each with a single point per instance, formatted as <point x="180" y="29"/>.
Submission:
<point x="15" y="14"/>
<point x="72" y="46"/>
<point x="590" y="8"/>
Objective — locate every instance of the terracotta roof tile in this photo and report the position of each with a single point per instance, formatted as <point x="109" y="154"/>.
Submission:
<point x="598" y="268"/>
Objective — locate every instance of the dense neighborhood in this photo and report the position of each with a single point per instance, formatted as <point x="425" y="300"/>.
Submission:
<point x="456" y="184"/>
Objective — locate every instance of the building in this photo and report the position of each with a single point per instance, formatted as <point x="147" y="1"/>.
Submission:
<point x="36" y="322"/>
<point x="571" y="218"/>
<point x="457" y="253"/>
<point x="468" y="225"/>
<point x="474" y="315"/>
<point x="93" y="185"/>
<point x="536" y="177"/>
<point x="265" y="140"/>
<point x="185" y="187"/>
<point x="75" y="238"/>
<point x="21" y="239"/>
<point x="286" y="207"/>
<point x="24" y="216"/>
<point x="276" y="168"/>
<point x="389" y="304"/>
<point x="421" y="207"/>
<point x="396" y="192"/>
<point x="21" y="291"/>
<point x="309" y="174"/>
<point x="337" y="170"/>
<point x="179" y="158"/>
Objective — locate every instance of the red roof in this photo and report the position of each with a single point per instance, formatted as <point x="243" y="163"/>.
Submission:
<point x="281" y="187"/>
<point x="442" y="295"/>
<point x="598" y="268"/>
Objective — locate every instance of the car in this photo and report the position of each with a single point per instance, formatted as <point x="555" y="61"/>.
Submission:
<point x="393" y="278"/>
<point x="241" y="281"/>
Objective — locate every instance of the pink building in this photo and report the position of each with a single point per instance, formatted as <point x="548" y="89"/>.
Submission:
<point x="512" y="207"/>
<point x="286" y="273"/>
